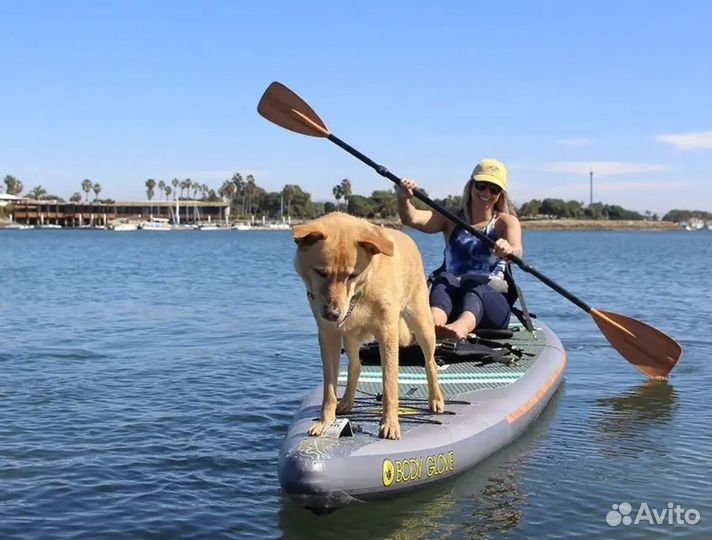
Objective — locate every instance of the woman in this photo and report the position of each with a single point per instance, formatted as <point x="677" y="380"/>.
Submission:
<point x="468" y="292"/>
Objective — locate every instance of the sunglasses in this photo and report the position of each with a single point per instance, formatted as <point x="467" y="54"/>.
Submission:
<point x="493" y="188"/>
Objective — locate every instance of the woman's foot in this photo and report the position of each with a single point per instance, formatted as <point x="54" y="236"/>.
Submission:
<point x="443" y="331"/>
<point x="452" y="331"/>
<point x="457" y="330"/>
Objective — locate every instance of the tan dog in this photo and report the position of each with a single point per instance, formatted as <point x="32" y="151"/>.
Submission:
<point x="365" y="282"/>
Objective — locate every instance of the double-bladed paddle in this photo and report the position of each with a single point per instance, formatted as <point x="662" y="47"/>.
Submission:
<point x="648" y="349"/>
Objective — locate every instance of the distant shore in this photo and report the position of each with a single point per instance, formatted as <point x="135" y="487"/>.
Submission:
<point x="577" y="224"/>
<point x="598" y="224"/>
<point x="552" y="224"/>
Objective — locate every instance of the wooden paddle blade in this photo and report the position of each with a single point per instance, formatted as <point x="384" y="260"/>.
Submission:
<point x="286" y="109"/>
<point x="647" y="348"/>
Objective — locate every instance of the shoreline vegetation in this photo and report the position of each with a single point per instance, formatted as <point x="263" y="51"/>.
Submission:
<point x="574" y="224"/>
<point x="527" y="224"/>
<point x="248" y="203"/>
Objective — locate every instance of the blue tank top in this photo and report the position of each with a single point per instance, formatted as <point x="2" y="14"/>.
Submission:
<point x="467" y="255"/>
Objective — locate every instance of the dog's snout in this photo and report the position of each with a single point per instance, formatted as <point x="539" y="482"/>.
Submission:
<point x="331" y="313"/>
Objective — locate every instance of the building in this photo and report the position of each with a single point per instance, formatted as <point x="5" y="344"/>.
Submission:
<point x="6" y="198"/>
<point x="70" y="214"/>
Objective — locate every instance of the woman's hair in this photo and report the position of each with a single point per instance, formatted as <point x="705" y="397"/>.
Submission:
<point x="504" y="204"/>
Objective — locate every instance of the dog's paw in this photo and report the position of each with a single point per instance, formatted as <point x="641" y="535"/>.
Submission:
<point x="344" y="406"/>
<point x="316" y="429"/>
<point x="390" y="429"/>
<point x="436" y="403"/>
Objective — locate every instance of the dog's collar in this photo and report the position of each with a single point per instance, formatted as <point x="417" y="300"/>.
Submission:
<point x="352" y="304"/>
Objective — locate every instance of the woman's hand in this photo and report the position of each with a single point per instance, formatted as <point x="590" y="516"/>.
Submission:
<point x="509" y="242"/>
<point x="425" y="221"/>
<point x="502" y="248"/>
<point x="406" y="189"/>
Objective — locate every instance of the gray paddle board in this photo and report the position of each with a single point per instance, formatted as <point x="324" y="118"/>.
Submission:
<point x="487" y="406"/>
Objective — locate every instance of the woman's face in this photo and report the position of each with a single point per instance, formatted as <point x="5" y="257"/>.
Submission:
<point x="485" y="193"/>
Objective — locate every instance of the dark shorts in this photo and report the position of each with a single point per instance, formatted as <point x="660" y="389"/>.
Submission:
<point x="453" y="296"/>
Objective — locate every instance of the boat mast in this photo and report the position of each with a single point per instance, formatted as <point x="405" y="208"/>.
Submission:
<point x="281" y="207"/>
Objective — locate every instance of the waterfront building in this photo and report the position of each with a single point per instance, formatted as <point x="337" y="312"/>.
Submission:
<point x="83" y="214"/>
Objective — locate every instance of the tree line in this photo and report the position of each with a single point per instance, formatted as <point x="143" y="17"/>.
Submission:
<point x="247" y="200"/>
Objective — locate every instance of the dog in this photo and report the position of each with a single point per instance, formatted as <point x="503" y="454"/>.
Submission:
<point x="365" y="282"/>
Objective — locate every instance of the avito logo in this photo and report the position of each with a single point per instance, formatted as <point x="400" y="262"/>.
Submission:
<point x="672" y="514"/>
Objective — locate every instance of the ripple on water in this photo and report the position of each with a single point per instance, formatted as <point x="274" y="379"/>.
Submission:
<point x="147" y="382"/>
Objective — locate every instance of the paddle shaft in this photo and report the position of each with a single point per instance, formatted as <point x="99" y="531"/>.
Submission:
<point x="383" y="171"/>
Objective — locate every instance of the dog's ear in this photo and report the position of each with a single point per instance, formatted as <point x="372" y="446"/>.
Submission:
<point x="307" y="234"/>
<point x="377" y="242"/>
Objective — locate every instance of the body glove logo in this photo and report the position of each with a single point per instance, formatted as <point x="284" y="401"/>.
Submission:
<point x="672" y="514"/>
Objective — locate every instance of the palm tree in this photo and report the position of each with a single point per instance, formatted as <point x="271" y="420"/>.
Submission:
<point x="37" y="193"/>
<point x="168" y="191"/>
<point x="239" y="190"/>
<point x="346" y="190"/>
<point x="150" y="188"/>
<point x="87" y="186"/>
<point x="76" y="197"/>
<point x="227" y="190"/>
<point x="176" y="184"/>
<point x="14" y="186"/>
<point x="162" y="186"/>
<point x="250" y="190"/>
<point x="97" y="189"/>
<point x="288" y="192"/>
<point x="338" y="192"/>
<point x="185" y="185"/>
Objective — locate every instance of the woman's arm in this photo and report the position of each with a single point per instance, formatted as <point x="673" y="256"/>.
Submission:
<point x="425" y="221"/>
<point x="510" y="236"/>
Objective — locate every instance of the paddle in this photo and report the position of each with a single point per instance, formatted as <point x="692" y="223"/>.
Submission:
<point x="648" y="349"/>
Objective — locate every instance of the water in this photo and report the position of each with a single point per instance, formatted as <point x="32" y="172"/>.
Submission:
<point x="147" y="381"/>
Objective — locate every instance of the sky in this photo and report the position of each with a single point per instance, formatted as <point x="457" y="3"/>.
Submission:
<point x="122" y="91"/>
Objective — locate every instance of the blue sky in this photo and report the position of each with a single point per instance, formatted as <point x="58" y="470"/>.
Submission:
<point x="122" y="91"/>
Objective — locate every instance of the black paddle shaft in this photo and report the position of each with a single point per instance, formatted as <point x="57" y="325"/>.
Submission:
<point x="383" y="171"/>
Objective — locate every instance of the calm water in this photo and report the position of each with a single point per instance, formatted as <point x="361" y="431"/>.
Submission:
<point x="147" y="381"/>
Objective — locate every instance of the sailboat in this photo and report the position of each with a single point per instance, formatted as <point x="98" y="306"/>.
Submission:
<point x="281" y="226"/>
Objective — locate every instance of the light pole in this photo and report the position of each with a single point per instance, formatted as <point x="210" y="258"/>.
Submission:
<point x="591" y="188"/>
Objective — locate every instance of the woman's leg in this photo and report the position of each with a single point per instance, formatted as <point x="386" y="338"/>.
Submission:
<point x="490" y="308"/>
<point x="442" y="292"/>
<point x="470" y="309"/>
<point x="481" y="307"/>
<point x="439" y="316"/>
<point x="459" y="328"/>
<point x="496" y="310"/>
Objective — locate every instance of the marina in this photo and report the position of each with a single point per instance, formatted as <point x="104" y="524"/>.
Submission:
<point x="77" y="215"/>
<point x="131" y="216"/>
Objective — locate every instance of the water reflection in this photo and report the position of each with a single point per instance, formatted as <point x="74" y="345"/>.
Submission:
<point x="624" y="422"/>
<point x="492" y="496"/>
<point x="484" y="500"/>
<point x="409" y="516"/>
